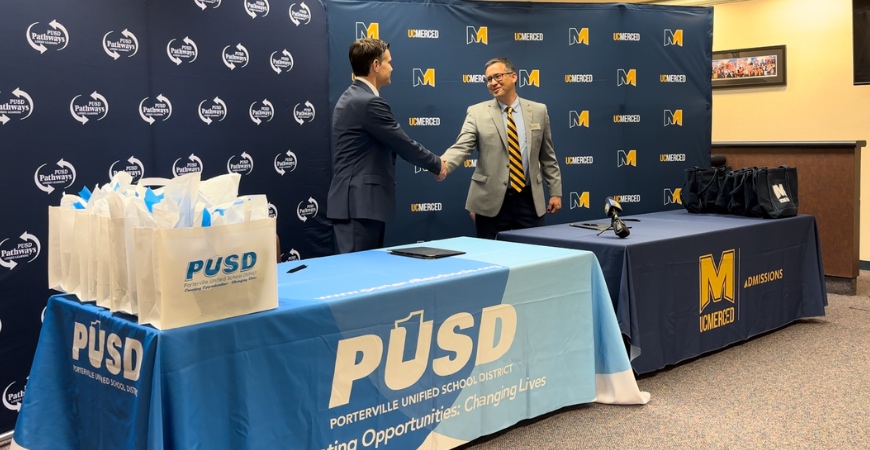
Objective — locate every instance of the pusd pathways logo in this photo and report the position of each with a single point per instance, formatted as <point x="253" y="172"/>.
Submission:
<point x="203" y="4"/>
<point x="237" y="57"/>
<point x="12" y="252"/>
<point x="307" y="210"/>
<point x="43" y="37"/>
<point x="134" y="167"/>
<point x="215" y="111"/>
<point x="13" y="397"/>
<point x="244" y="164"/>
<point x="125" y="44"/>
<point x="184" y="51"/>
<point x="300" y="15"/>
<point x="180" y="167"/>
<point x="304" y="113"/>
<point x="97" y="107"/>
<point x="46" y="179"/>
<point x="273" y="211"/>
<point x="265" y="112"/>
<point x="292" y="255"/>
<point x="282" y="63"/>
<point x="257" y="8"/>
<point x="161" y="108"/>
<point x="21" y="106"/>
<point x="285" y="162"/>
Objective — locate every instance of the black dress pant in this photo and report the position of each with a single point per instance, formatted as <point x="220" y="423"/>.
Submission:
<point x="517" y="212"/>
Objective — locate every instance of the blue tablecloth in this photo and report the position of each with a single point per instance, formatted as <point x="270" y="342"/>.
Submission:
<point x="365" y="350"/>
<point x="687" y="284"/>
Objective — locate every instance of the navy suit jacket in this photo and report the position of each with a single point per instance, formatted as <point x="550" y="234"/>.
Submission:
<point x="366" y="139"/>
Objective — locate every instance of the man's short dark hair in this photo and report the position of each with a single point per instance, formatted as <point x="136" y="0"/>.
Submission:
<point x="508" y="65"/>
<point x="363" y="52"/>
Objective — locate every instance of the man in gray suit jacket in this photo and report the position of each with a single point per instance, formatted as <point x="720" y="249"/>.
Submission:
<point x="366" y="139"/>
<point x="504" y="193"/>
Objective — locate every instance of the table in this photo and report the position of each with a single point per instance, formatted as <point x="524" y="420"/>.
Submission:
<point x="687" y="284"/>
<point x="365" y="349"/>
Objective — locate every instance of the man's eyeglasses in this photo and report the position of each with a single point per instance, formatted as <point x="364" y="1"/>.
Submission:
<point x="497" y="77"/>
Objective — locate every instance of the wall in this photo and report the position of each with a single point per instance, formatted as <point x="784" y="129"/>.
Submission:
<point x="819" y="102"/>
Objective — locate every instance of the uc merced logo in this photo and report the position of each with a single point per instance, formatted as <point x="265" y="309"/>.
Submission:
<point x="367" y="30"/>
<point x="673" y="196"/>
<point x="717" y="290"/>
<point x="580" y="200"/>
<point x="132" y="166"/>
<point x="235" y="57"/>
<point x="576" y="37"/>
<point x="285" y="162"/>
<point x="530" y="78"/>
<point x="423" y="77"/>
<point x="282" y="63"/>
<point x="257" y="8"/>
<point x="244" y="164"/>
<point x="184" y="50"/>
<point x="41" y="38"/>
<point x="303" y="113"/>
<point x="96" y="108"/>
<point x="307" y="210"/>
<point x="47" y="178"/>
<point x="126" y="44"/>
<point x="478" y="35"/>
<point x="300" y="15"/>
<point x="13" y="252"/>
<point x="160" y="108"/>
<point x="179" y="167"/>
<point x="264" y="112"/>
<point x="217" y="110"/>
<point x="20" y="107"/>
<point x="13" y="397"/>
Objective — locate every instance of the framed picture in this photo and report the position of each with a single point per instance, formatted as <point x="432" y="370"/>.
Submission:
<point x="749" y="67"/>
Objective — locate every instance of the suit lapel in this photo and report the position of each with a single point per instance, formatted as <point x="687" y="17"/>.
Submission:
<point x="495" y="113"/>
<point x="527" y="123"/>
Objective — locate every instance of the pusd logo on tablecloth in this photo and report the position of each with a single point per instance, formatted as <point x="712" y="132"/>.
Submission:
<point x="121" y="354"/>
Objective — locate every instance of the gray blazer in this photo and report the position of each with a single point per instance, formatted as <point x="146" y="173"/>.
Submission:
<point x="484" y="129"/>
<point x="366" y="139"/>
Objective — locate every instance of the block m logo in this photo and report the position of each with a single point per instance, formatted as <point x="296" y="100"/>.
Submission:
<point x="780" y="193"/>
<point x="674" y="117"/>
<point x="628" y="77"/>
<point x="674" y="196"/>
<point x="717" y="283"/>
<point x="426" y="78"/>
<point x="624" y="158"/>
<point x="580" y="200"/>
<point x="367" y="31"/>
<point x="576" y="119"/>
<point x="576" y="36"/>
<point x="673" y="37"/>
<point x="530" y="78"/>
<point x="476" y="36"/>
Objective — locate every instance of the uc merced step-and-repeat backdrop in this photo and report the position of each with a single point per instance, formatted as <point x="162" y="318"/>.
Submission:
<point x="159" y="88"/>
<point x="627" y="88"/>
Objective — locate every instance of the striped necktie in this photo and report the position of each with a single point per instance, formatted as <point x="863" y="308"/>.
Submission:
<point x="517" y="174"/>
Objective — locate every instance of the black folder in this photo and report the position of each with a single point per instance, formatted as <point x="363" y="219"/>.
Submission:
<point x="426" y="252"/>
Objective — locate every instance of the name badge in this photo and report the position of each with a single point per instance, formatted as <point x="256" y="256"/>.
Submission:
<point x="536" y="126"/>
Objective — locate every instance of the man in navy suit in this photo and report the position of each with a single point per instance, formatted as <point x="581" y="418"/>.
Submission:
<point x="366" y="139"/>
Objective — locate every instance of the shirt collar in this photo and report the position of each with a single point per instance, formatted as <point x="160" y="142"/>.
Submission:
<point x="515" y="105"/>
<point x="374" y="89"/>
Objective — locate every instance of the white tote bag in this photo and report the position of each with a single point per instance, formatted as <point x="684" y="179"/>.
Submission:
<point x="206" y="274"/>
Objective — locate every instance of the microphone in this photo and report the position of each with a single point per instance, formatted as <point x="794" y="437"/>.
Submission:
<point x="612" y="209"/>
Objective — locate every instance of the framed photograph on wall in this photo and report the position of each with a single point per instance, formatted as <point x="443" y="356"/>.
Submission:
<point x="749" y="67"/>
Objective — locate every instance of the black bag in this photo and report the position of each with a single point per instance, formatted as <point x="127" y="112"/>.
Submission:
<point x="737" y="196"/>
<point x="777" y="190"/>
<point x="701" y="188"/>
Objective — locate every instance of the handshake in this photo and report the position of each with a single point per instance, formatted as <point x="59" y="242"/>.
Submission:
<point x="441" y="176"/>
